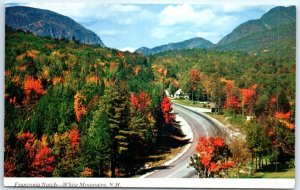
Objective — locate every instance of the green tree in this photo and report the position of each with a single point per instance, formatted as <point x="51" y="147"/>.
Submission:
<point x="97" y="142"/>
<point x="66" y="152"/>
<point x="116" y="98"/>
<point x="240" y="153"/>
<point x="258" y="142"/>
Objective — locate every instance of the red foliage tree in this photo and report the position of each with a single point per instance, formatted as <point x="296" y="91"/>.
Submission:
<point x="249" y="97"/>
<point x="26" y="140"/>
<point x="38" y="159"/>
<point x="232" y="102"/>
<point x="74" y="137"/>
<point x="120" y="54"/>
<point x="166" y="109"/>
<point x="140" y="101"/>
<point x="43" y="163"/>
<point x="231" y="94"/>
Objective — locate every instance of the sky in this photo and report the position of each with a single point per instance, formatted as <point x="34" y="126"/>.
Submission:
<point x="131" y="26"/>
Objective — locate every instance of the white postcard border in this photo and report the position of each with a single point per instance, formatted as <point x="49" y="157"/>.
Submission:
<point x="148" y="183"/>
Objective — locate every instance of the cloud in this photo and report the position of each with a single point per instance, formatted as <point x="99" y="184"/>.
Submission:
<point x="233" y="8"/>
<point x="184" y="14"/>
<point x="133" y="25"/>
<point x="187" y="21"/>
<point x="77" y="11"/>
<point x="124" y="8"/>
<point x="184" y="34"/>
<point x="87" y="12"/>
<point x="224" y="22"/>
<point x="130" y="49"/>
<point x="161" y="32"/>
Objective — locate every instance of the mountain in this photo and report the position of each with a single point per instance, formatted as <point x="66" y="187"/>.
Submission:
<point x="277" y="24"/>
<point x="198" y="43"/>
<point x="47" y="23"/>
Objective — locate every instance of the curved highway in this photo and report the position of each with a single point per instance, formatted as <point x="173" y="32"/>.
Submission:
<point x="201" y="127"/>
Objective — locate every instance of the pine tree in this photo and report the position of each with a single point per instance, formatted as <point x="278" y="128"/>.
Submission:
<point x="97" y="143"/>
<point x="116" y="99"/>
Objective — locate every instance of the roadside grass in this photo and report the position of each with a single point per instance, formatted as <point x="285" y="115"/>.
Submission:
<point x="234" y="122"/>
<point x="270" y="171"/>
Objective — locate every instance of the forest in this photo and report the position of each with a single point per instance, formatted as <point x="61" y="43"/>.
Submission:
<point x="74" y="110"/>
<point x="78" y="110"/>
<point x="259" y="85"/>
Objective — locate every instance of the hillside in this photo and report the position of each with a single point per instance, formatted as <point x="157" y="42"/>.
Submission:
<point x="47" y="23"/>
<point x="197" y="43"/>
<point x="273" y="70"/>
<point x="278" y="24"/>
<point x="90" y="110"/>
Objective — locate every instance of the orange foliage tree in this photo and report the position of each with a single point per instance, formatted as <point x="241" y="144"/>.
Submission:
<point x="284" y="118"/>
<point x="211" y="158"/>
<point x="232" y="102"/>
<point x="79" y="106"/>
<point x="33" y="89"/>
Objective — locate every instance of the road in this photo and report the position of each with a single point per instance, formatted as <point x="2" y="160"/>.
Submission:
<point x="201" y="127"/>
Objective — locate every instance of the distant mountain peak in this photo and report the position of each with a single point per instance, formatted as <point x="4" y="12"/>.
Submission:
<point x="197" y="42"/>
<point x="272" y="19"/>
<point x="48" y="23"/>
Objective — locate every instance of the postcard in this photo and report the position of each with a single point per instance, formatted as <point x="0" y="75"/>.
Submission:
<point x="149" y="95"/>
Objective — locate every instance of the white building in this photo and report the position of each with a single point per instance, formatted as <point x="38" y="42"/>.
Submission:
<point x="179" y="93"/>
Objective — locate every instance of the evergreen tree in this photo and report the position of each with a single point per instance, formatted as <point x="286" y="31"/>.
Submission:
<point x="97" y="143"/>
<point x="116" y="99"/>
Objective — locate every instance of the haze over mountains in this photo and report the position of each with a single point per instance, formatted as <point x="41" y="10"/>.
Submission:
<point x="47" y="23"/>
<point x="278" y="24"/>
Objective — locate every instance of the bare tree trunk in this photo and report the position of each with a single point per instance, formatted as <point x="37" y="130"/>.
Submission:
<point x="251" y="170"/>
<point x="256" y="163"/>
<point x="238" y="171"/>
<point x="113" y="168"/>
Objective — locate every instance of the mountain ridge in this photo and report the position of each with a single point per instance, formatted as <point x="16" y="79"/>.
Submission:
<point x="196" y="42"/>
<point x="273" y="19"/>
<point x="255" y="34"/>
<point x="43" y="22"/>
